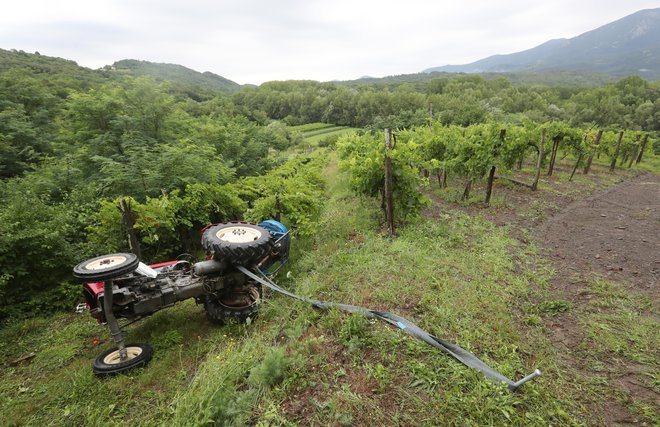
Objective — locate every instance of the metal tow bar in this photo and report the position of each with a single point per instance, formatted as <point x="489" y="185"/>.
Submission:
<point x="455" y="351"/>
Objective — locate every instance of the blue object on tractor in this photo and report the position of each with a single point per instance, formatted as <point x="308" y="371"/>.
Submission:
<point x="282" y="244"/>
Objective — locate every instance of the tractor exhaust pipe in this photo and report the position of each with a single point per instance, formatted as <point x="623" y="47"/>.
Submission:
<point x="207" y="267"/>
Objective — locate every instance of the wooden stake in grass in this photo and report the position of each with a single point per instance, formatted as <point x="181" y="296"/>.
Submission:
<point x="553" y="156"/>
<point x="535" y="185"/>
<point x="641" y="150"/>
<point x="616" y="152"/>
<point x="389" y="201"/>
<point x="442" y="178"/>
<point x="593" y="153"/>
<point x="468" y="187"/>
<point x="491" y="175"/>
<point x="634" y="155"/>
<point x="575" y="168"/>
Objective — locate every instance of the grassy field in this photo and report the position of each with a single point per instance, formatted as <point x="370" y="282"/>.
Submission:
<point x="456" y="274"/>
<point x="315" y="133"/>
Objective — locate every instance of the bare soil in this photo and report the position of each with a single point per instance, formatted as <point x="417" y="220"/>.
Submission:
<point x="603" y="225"/>
<point x="614" y="234"/>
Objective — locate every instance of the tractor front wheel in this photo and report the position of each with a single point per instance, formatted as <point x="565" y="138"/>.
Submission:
<point x="106" y="267"/>
<point x="109" y="362"/>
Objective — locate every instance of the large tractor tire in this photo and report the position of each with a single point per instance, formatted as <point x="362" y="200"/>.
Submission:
<point x="106" y="267"/>
<point x="238" y="243"/>
<point x="233" y="304"/>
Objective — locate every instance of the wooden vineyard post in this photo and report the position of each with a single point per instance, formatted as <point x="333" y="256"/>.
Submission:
<point x="535" y="185"/>
<point x="575" y="168"/>
<point x="641" y="150"/>
<point x="616" y="152"/>
<point x="491" y="175"/>
<point x="593" y="153"/>
<point x="468" y="187"/>
<point x="442" y="178"/>
<point x="389" y="201"/>
<point x="553" y="156"/>
<point x="129" y="223"/>
<point x="626" y="155"/>
<point x="634" y="155"/>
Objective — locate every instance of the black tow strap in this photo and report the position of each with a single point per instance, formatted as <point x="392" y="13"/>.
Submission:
<point x="458" y="353"/>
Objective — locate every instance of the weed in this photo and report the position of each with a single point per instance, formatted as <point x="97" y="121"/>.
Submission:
<point x="271" y="370"/>
<point x="553" y="307"/>
<point x="354" y="331"/>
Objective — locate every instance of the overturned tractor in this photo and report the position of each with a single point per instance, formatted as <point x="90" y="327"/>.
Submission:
<point x="119" y="286"/>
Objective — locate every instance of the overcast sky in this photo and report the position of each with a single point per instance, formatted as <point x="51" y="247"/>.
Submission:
<point x="251" y="41"/>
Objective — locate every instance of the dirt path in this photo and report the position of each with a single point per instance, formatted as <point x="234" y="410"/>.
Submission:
<point x="613" y="234"/>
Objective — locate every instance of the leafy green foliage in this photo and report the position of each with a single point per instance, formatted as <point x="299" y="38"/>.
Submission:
<point x="364" y="156"/>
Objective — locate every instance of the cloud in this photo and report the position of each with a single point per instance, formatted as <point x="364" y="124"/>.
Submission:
<point x="253" y="41"/>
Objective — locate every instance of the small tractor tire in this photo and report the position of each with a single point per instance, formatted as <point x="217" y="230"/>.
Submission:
<point x="109" y="363"/>
<point x="106" y="267"/>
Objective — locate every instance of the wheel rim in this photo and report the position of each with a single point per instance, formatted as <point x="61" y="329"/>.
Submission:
<point x="238" y="234"/>
<point x="114" y="358"/>
<point x="106" y="262"/>
<point x="252" y="293"/>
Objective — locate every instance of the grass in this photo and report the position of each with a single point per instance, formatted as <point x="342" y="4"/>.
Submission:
<point x="316" y="133"/>
<point x="460" y="277"/>
<point x="309" y="127"/>
<point x="329" y="135"/>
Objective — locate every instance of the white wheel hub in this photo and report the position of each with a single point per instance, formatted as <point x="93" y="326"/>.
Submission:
<point x="114" y="357"/>
<point x="107" y="262"/>
<point x="238" y="234"/>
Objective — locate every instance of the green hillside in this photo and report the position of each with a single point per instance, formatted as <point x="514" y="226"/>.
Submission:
<point x="175" y="73"/>
<point x="55" y="70"/>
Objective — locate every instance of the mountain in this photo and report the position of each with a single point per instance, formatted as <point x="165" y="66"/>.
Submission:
<point x="629" y="46"/>
<point x="174" y="73"/>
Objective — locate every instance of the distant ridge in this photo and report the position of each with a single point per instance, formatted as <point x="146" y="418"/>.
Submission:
<point x="628" y="46"/>
<point x="174" y="73"/>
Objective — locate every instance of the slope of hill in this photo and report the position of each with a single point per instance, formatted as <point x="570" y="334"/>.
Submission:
<point x="543" y="77"/>
<point x="175" y="73"/>
<point x="629" y="46"/>
<point x="51" y="69"/>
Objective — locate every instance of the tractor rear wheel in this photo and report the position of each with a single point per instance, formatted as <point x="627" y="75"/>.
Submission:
<point x="239" y="243"/>
<point x="238" y="304"/>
